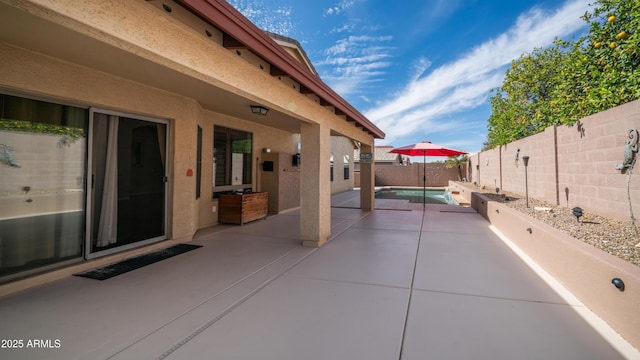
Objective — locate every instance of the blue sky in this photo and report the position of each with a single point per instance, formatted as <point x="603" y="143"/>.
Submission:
<point x="419" y="69"/>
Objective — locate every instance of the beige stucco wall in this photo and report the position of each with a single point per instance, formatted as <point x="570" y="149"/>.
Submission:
<point x="263" y="137"/>
<point x="282" y="184"/>
<point x="341" y="147"/>
<point x="27" y="72"/>
<point x="109" y="92"/>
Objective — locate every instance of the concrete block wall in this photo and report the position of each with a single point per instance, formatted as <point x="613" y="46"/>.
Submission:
<point x="487" y="169"/>
<point x="46" y="163"/>
<point x="437" y="175"/>
<point x="541" y="170"/>
<point x="587" y="157"/>
<point x="570" y="165"/>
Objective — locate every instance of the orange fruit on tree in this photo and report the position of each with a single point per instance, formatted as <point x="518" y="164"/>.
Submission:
<point x="612" y="45"/>
<point x="622" y="35"/>
<point x="597" y="45"/>
<point x="612" y="18"/>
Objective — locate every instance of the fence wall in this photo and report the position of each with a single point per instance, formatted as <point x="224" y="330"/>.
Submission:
<point x="569" y="165"/>
<point x="412" y="175"/>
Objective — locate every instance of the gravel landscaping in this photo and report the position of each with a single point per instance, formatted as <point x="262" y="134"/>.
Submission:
<point x="613" y="236"/>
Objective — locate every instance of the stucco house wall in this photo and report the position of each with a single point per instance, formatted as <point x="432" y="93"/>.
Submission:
<point x="138" y="58"/>
<point x="341" y="147"/>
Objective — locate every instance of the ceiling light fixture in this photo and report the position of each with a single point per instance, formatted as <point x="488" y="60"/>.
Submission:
<point x="259" y="110"/>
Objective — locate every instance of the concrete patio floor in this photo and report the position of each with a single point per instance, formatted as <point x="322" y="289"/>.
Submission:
<point x="390" y="284"/>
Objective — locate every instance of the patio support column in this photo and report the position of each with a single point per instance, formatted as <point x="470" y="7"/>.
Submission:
<point x="367" y="180"/>
<point x="315" y="188"/>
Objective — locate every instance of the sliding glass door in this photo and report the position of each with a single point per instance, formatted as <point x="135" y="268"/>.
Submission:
<point x="42" y="184"/>
<point x="127" y="192"/>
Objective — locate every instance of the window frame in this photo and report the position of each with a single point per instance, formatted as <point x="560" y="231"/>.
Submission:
<point x="248" y="172"/>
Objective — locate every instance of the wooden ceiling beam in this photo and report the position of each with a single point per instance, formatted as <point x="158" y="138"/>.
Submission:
<point x="229" y="42"/>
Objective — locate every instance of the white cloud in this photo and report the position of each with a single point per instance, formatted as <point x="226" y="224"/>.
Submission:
<point x="418" y="67"/>
<point x="344" y="28"/>
<point x="340" y="7"/>
<point x="465" y="83"/>
<point x="276" y="20"/>
<point x="356" y="61"/>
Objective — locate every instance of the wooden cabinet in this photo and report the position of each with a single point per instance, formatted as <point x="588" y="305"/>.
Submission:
<point x="240" y="209"/>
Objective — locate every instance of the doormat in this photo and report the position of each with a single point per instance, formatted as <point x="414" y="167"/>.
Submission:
<point x="111" y="270"/>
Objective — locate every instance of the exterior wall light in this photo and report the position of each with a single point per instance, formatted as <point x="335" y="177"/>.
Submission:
<point x="259" y="110"/>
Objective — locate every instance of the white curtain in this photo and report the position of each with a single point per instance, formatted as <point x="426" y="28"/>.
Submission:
<point x="108" y="225"/>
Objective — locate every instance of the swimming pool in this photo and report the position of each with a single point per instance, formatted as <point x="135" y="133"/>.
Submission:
<point x="415" y="195"/>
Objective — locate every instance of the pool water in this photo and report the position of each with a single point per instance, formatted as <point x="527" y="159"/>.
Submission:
<point x="415" y="195"/>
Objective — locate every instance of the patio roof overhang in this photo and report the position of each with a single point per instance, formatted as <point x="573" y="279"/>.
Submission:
<point x="239" y="32"/>
<point x="80" y="42"/>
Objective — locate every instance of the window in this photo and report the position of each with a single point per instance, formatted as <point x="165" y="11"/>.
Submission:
<point x="232" y="151"/>
<point x="199" y="163"/>
<point x="331" y="168"/>
<point x="42" y="183"/>
<point x="346" y="167"/>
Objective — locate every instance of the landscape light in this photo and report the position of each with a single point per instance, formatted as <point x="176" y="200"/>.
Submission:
<point x="526" y="177"/>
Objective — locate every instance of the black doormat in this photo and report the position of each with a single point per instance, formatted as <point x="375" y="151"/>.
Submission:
<point x="137" y="262"/>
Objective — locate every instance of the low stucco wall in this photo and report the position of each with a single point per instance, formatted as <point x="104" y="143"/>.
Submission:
<point x="583" y="269"/>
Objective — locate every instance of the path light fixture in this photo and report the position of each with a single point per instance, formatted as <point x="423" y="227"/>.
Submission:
<point x="525" y="159"/>
<point x="577" y="212"/>
<point x="259" y="110"/>
<point x="497" y="190"/>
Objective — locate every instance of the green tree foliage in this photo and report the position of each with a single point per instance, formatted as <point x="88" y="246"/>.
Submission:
<point x="571" y="80"/>
<point x="521" y="107"/>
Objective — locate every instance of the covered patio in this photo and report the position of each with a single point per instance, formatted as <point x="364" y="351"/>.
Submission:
<point x="389" y="284"/>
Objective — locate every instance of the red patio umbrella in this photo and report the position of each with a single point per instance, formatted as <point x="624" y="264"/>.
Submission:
<point x="426" y="148"/>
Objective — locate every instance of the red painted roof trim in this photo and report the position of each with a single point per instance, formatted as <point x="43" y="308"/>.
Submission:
<point x="226" y="18"/>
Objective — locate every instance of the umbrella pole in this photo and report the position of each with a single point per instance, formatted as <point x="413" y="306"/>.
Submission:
<point x="424" y="181"/>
